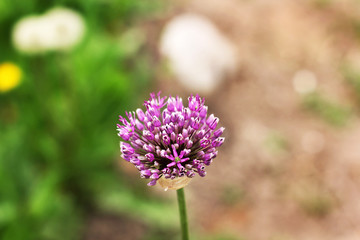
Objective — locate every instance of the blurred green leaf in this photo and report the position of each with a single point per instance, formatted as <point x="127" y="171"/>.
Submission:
<point x="58" y="142"/>
<point x="333" y="113"/>
<point x="152" y="211"/>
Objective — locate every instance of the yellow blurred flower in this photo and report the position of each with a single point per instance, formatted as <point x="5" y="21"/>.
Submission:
<point x="10" y="75"/>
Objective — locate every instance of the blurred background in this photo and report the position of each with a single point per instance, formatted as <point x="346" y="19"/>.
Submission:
<point x="282" y="76"/>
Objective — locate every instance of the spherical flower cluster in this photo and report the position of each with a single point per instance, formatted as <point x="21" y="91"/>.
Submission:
<point x="10" y="76"/>
<point x="57" y="29"/>
<point x="169" y="140"/>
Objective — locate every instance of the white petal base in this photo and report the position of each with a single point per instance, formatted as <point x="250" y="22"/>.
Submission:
<point x="173" y="184"/>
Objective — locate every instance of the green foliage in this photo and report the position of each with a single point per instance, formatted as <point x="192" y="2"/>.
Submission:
<point x="58" y="143"/>
<point x="314" y="199"/>
<point x="322" y="3"/>
<point x="352" y="77"/>
<point x="233" y="194"/>
<point x="124" y="201"/>
<point x="333" y="113"/>
<point x="276" y="143"/>
<point x="317" y="204"/>
<point x="161" y="234"/>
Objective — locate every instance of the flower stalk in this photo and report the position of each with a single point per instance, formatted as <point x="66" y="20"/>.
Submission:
<point x="182" y="213"/>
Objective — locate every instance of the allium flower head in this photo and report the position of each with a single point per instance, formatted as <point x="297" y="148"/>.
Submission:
<point x="170" y="140"/>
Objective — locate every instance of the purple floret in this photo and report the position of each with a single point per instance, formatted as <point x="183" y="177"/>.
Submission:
<point x="170" y="140"/>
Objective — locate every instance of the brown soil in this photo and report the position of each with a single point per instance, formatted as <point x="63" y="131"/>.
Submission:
<point x="289" y="190"/>
<point x="293" y="193"/>
<point x="103" y="226"/>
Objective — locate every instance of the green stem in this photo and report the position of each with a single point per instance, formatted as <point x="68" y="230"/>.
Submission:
<point x="182" y="211"/>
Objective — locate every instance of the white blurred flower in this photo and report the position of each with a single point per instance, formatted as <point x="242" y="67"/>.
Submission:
<point x="67" y="25"/>
<point x="58" y="29"/>
<point x="31" y="35"/>
<point x="199" y="54"/>
<point x="304" y="81"/>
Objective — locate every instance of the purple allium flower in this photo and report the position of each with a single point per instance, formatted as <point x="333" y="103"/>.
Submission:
<point x="170" y="140"/>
